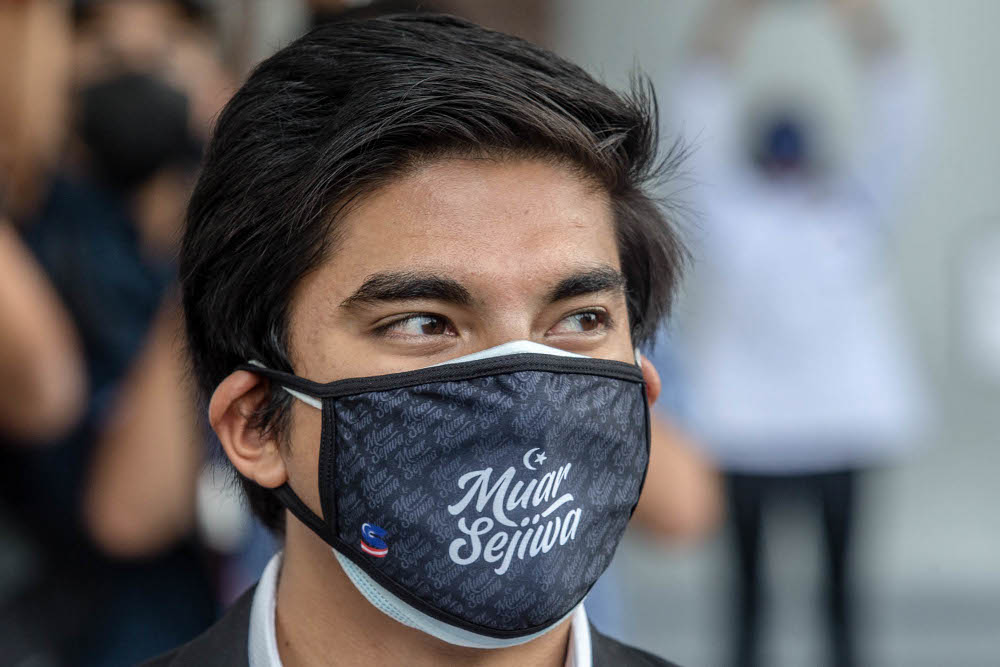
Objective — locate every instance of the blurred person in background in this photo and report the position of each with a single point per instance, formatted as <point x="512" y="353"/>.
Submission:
<point x="34" y="77"/>
<point x="40" y="362"/>
<point x="682" y="500"/>
<point x="528" y="19"/>
<point x="796" y="362"/>
<point x="175" y="40"/>
<point x="106" y="506"/>
<point x="329" y="11"/>
<point x="40" y="365"/>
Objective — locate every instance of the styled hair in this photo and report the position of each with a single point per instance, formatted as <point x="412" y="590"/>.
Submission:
<point x="354" y="104"/>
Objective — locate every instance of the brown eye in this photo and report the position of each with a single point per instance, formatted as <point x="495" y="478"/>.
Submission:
<point x="420" y="325"/>
<point x="432" y="326"/>
<point x="585" y="322"/>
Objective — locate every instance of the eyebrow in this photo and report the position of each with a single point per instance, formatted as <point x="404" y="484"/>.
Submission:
<point x="588" y="281"/>
<point x="403" y="285"/>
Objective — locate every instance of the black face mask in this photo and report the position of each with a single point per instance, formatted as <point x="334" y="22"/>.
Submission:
<point x="481" y="499"/>
<point x="134" y="125"/>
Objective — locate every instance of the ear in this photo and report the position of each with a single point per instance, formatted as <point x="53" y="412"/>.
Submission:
<point x="652" y="378"/>
<point x="254" y="455"/>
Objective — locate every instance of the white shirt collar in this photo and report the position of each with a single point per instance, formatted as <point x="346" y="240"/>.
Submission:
<point x="263" y="642"/>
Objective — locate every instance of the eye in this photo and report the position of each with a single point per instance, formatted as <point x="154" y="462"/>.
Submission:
<point x="588" y="321"/>
<point x="420" y="324"/>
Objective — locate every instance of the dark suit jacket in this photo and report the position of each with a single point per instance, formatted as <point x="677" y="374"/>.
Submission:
<point x="225" y="643"/>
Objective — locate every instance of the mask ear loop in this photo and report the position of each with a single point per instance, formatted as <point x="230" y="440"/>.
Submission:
<point x="284" y="493"/>
<point x="305" y="398"/>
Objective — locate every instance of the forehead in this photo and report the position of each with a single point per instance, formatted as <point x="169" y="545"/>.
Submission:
<point x="499" y="227"/>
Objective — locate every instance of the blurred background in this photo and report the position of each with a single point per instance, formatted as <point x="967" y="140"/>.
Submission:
<point x="822" y="488"/>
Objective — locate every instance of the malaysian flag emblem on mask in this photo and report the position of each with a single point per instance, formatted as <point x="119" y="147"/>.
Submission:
<point x="372" y="542"/>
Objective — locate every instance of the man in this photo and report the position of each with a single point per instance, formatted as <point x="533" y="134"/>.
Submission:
<point x="417" y="265"/>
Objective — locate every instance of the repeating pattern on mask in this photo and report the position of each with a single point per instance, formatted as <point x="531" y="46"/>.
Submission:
<point x="502" y="498"/>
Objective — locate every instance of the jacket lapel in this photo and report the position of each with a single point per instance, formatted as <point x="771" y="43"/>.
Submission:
<point x="225" y="643"/>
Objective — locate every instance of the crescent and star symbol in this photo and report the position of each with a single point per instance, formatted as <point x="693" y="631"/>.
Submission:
<point x="539" y="459"/>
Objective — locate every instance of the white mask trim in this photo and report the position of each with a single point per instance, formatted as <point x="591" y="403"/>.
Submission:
<point x="513" y="347"/>
<point x="394" y="608"/>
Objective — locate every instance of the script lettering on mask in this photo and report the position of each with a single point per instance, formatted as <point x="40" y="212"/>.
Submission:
<point x="517" y="517"/>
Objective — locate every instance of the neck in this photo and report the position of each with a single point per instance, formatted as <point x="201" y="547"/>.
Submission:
<point x="322" y="619"/>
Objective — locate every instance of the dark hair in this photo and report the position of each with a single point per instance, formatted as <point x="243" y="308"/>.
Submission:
<point x="352" y="104"/>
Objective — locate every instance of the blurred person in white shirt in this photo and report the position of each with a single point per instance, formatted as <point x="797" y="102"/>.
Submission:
<point x="797" y="365"/>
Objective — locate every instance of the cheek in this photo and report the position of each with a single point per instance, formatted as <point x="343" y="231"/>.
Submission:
<point x="302" y="454"/>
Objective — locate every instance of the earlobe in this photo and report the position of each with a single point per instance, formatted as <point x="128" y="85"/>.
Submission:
<point x="254" y="454"/>
<point x="652" y="378"/>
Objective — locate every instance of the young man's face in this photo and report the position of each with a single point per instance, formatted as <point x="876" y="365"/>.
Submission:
<point x="456" y="257"/>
